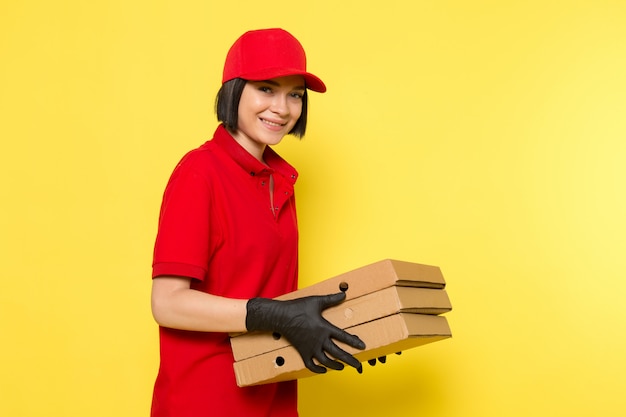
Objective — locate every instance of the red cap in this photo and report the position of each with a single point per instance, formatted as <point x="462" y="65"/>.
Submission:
<point x="268" y="53"/>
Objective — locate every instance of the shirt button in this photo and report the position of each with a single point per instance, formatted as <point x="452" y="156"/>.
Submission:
<point x="263" y="183"/>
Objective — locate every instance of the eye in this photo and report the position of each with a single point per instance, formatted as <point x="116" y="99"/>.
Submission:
<point x="265" y="89"/>
<point x="297" y="95"/>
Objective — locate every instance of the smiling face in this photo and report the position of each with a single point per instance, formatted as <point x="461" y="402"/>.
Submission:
<point x="268" y="110"/>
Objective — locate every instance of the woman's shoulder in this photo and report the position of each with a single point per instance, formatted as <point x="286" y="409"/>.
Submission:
<point x="202" y="157"/>
<point x="198" y="163"/>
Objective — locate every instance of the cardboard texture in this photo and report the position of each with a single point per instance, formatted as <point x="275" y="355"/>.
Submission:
<point x="384" y="336"/>
<point x="374" y="277"/>
<point x="350" y="313"/>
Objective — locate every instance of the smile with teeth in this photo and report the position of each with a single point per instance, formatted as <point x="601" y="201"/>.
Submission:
<point x="272" y="123"/>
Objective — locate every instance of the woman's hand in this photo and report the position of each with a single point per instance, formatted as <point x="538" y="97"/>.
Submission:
<point x="300" y="321"/>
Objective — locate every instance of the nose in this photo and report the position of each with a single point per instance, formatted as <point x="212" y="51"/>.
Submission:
<point x="279" y="105"/>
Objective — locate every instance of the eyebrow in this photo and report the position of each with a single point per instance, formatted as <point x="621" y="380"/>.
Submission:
<point x="277" y="84"/>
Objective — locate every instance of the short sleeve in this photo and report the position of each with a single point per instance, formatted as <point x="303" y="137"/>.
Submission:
<point x="182" y="242"/>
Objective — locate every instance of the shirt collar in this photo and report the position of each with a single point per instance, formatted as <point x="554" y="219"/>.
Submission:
<point x="275" y="163"/>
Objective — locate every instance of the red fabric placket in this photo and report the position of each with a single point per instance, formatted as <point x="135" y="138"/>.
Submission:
<point x="267" y="185"/>
<point x="283" y="190"/>
<point x="273" y="206"/>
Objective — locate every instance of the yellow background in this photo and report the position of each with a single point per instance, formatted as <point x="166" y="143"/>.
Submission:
<point x="485" y="137"/>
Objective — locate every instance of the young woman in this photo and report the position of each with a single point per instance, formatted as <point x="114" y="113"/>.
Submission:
<point x="227" y="243"/>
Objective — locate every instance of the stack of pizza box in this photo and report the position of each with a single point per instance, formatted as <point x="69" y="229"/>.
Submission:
<point x="391" y="305"/>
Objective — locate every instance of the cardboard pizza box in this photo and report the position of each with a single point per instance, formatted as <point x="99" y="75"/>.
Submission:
<point x="383" y="336"/>
<point x="372" y="306"/>
<point x="373" y="277"/>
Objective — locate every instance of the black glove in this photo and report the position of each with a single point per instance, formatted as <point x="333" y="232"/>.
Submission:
<point x="381" y="359"/>
<point x="300" y="321"/>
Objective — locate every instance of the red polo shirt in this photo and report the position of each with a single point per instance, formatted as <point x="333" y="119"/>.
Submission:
<point x="216" y="226"/>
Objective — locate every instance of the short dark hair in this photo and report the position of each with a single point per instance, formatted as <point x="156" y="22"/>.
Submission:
<point x="227" y="106"/>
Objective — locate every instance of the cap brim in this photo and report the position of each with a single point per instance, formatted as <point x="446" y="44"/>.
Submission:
<point x="311" y="81"/>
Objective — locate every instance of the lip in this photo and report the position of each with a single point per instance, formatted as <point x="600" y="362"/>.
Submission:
<point x="272" y="124"/>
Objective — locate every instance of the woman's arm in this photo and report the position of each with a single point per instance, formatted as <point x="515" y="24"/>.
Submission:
<point x="176" y="305"/>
